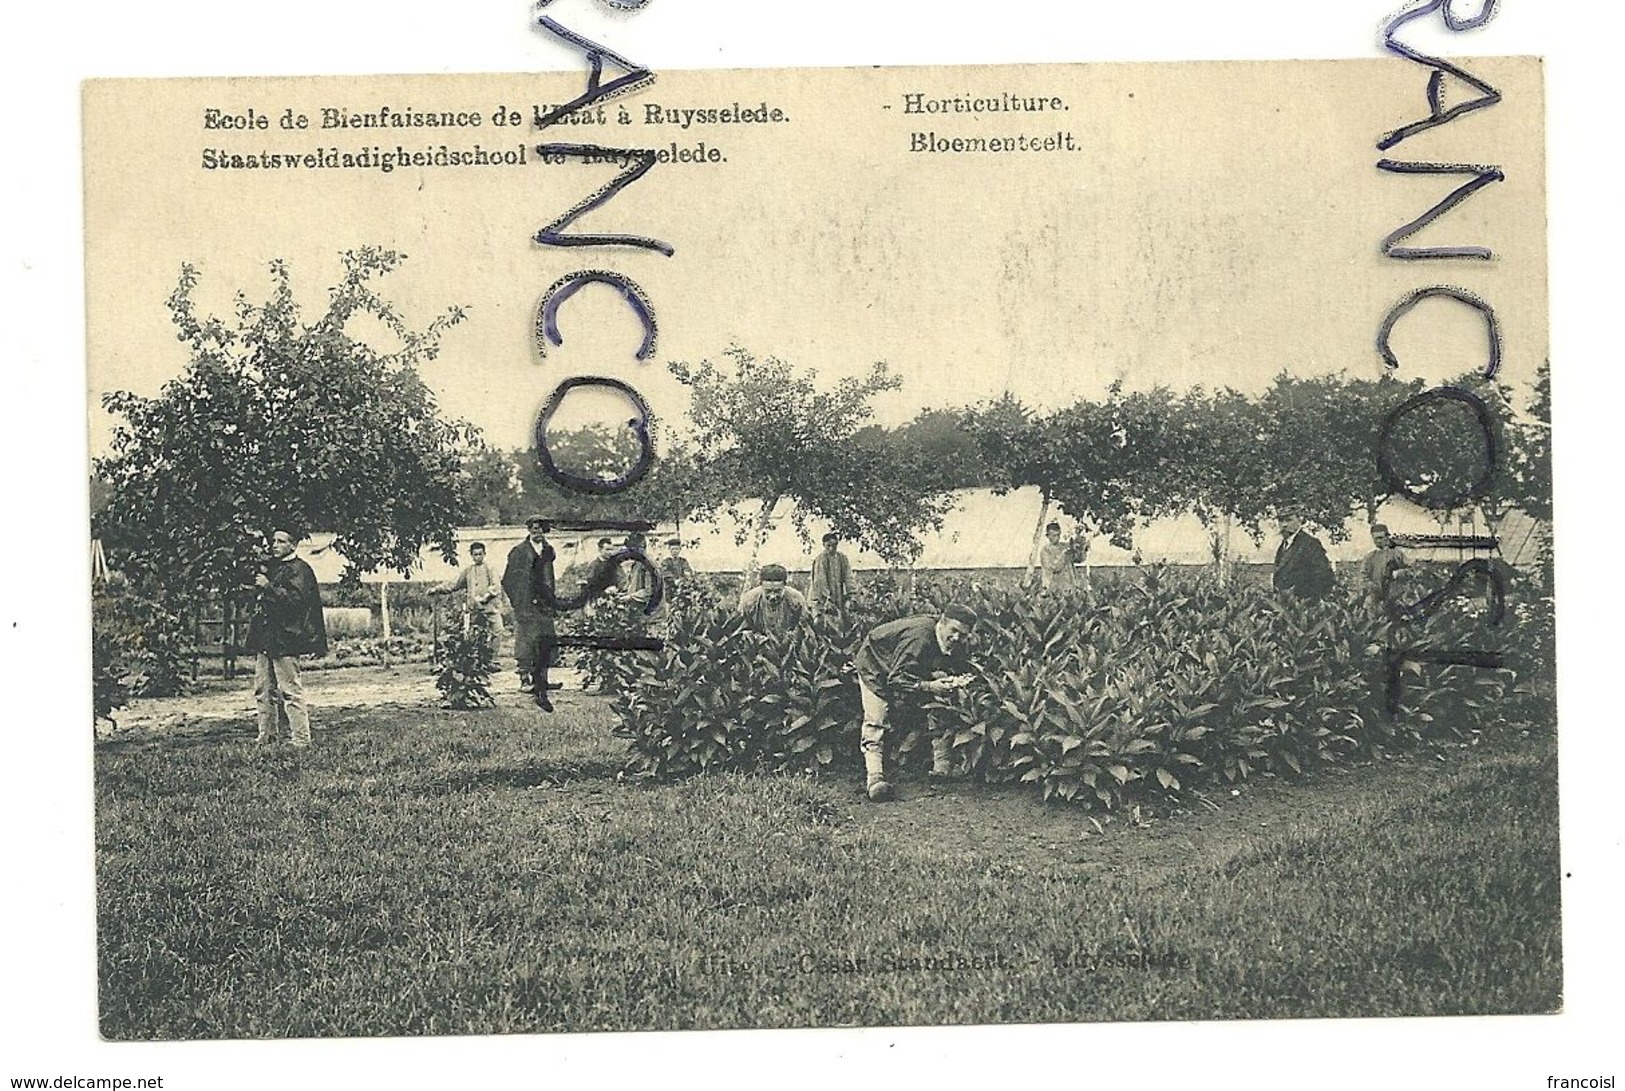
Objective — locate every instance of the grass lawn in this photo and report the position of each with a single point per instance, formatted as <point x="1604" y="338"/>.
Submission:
<point x="429" y="872"/>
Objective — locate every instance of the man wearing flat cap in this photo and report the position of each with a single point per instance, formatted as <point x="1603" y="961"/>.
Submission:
<point x="528" y="582"/>
<point x="1378" y="568"/>
<point x="287" y="623"/>
<point x="902" y="665"/>
<point x="772" y="607"/>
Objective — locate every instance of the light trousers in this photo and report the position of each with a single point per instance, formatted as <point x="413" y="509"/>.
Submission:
<point x="872" y="736"/>
<point x="278" y="692"/>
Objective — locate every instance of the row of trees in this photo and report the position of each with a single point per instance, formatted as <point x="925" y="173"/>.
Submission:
<point x="1234" y="461"/>
<point x="765" y="433"/>
<point x="279" y="419"/>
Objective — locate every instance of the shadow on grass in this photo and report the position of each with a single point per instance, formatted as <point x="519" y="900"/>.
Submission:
<point x="202" y="731"/>
<point x="531" y="774"/>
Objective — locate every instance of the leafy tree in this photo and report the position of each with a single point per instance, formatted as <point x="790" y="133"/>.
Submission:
<point x="937" y="440"/>
<point x="1438" y="448"/>
<point x="489" y="491"/>
<point x="1529" y="469"/>
<point x="1531" y="454"/>
<point x="1216" y="466"/>
<point x="1017" y="449"/>
<point x="671" y="490"/>
<point x="765" y="431"/>
<point x="276" y="420"/>
<point x="1120" y="460"/>
<point x="1319" y="438"/>
<point x="1311" y="443"/>
<point x="1106" y="464"/>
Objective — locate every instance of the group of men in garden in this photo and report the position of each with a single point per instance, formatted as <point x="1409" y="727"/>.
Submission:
<point x="901" y="665"/>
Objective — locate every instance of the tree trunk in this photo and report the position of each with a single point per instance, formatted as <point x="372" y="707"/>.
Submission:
<point x="1038" y="538"/>
<point x="1218" y="545"/>
<point x="383" y="616"/>
<point x="758" y="537"/>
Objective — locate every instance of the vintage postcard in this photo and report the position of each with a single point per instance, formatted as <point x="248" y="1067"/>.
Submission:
<point x="798" y="548"/>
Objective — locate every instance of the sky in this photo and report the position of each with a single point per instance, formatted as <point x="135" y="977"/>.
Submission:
<point x="1214" y="224"/>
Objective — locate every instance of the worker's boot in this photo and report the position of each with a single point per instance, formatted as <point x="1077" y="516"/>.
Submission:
<point x="874" y="765"/>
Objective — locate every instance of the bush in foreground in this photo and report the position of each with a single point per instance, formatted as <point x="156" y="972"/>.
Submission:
<point x="139" y="647"/>
<point x="468" y="659"/>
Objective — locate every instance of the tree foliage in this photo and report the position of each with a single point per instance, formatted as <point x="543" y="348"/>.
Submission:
<point x="280" y="421"/>
<point x="1531" y="454"/>
<point x="948" y="456"/>
<point x="1106" y="464"/>
<point x="507" y="487"/>
<point x="764" y="430"/>
<point x="1306" y="443"/>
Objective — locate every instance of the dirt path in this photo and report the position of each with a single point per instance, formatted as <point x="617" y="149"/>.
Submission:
<point x="219" y="704"/>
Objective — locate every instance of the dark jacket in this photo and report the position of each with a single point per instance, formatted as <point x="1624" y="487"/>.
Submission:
<point x="897" y="656"/>
<point x="525" y="578"/>
<point x="1301" y="567"/>
<point x="288" y="614"/>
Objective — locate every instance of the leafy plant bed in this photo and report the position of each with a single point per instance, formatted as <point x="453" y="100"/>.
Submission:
<point x="372" y="651"/>
<point x="1145" y="692"/>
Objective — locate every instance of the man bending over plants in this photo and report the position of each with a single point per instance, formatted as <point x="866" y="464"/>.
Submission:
<point x="771" y="607"/>
<point x="900" y="664"/>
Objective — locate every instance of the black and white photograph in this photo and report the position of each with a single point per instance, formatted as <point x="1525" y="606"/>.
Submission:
<point x="1020" y="540"/>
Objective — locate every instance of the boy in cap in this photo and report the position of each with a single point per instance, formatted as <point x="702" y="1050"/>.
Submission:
<point x="1377" y="570"/>
<point x="479" y="587"/>
<point x="674" y="567"/>
<point x="903" y="663"/>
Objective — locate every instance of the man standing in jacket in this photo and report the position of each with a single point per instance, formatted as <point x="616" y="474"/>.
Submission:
<point x="287" y="623"/>
<point x="527" y="580"/>
<point x="1301" y="567"/>
<point x="904" y="663"/>
<point x="830" y="584"/>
